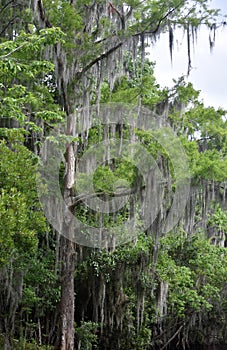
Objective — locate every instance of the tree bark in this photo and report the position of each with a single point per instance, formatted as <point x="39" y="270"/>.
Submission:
<point x="65" y="333"/>
<point x="65" y="339"/>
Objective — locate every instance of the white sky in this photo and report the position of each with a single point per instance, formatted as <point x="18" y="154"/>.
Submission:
<point x="209" y="72"/>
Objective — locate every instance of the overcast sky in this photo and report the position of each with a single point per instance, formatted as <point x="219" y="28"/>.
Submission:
<point x="209" y="72"/>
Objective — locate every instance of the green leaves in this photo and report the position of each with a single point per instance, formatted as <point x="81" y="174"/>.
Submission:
<point x="139" y="83"/>
<point x="218" y="219"/>
<point x="86" y="335"/>
<point x="202" y="131"/>
<point x="211" y="166"/>
<point x="195" y="271"/>
<point x="32" y="98"/>
<point x="20" y="217"/>
<point x="30" y="43"/>
<point x="16" y="237"/>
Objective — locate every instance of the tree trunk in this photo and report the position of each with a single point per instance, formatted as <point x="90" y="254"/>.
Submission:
<point x="65" y="334"/>
<point x="65" y="339"/>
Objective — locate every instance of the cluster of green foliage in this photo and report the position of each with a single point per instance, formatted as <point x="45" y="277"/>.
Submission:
<point x="86" y="336"/>
<point x="19" y="220"/>
<point x="195" y="271"/>
<point x="26" y="98"/>
<point x="27" y="102"/>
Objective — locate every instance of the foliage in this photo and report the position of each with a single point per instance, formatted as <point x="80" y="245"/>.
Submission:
<point x="28" y="98"/>
<point x="25" y="345"/>
<point x="137" y="84"/>
<point x="194" y="270"/>
<point x="85" y="335"/>
<point x="27" y="102"/>
<point x="21" y="219"/>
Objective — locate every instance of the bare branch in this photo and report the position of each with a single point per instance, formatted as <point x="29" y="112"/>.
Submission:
<point x="97" y="59"/>
<point x="8" y="24"/>
<point x="154" y="31"/>
<point x="83" y="196"/>
<point x="11" y="52"/>
<point x="6" y="5"/>
<point x="169" y="341"/>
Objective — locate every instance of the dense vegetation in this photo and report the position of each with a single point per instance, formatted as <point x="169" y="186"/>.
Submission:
<point x="158" y="290"/>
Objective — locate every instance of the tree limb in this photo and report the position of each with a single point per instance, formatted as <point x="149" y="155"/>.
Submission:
<point x="169" y="341"/>
<point x="107" y="53"/>
<point x="11" y="52"/>
<point x="43" y="15"/>
<point x="97" y="59"/>
<point x="8" y="24"/>
<point x="6" y="5"/>
<point x="82" y="197"/>
<point x="154" y="31"/>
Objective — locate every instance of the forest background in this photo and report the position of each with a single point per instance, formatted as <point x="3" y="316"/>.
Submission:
<point x="65" y="68"/>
